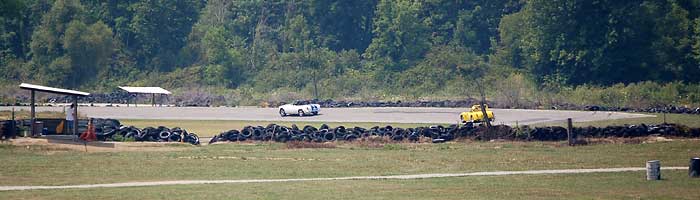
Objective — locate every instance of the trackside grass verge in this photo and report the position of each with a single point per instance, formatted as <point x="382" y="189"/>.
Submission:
<point x="28" y="165"/>
<point x="623" y="185"/>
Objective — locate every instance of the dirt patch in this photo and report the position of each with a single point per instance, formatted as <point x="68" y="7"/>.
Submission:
<point x="61" y="145"/>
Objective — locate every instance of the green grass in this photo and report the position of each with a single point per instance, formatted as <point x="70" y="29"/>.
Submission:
<point x="208" y="128"/>
<point x="685" y="119"/>
<point x="39" y="166"/>
<point x="627" y="185"/>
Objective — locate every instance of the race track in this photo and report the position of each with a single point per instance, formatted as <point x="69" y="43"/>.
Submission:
<point x="395" y="115"/>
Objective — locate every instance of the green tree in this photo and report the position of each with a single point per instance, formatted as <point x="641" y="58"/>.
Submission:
<point x="343" y="25"/>
<point x="47" y="42"/>
<point x="160" y="30"/>
<point x="89" y="48"/>
<point x="400" y="36"/>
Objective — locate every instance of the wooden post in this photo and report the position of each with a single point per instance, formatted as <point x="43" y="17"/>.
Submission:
<point x="482" y="103"/>
<point x="75" y="115"/>
<point x="664" y="117"/>
<point x="570" y="130"/>
<point x="694" y="168"/>
<point x="33" y="114"/>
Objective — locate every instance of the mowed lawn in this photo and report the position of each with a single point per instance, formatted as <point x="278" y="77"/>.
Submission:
<point x="625" y="185"/>
<point x="37" y="165"/>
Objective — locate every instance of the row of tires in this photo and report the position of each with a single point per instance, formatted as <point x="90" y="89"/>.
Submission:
<point x="438" y="134"/>
<point x="557" y="133"/>
<point x="324" y="133"/>
<point x="112" y="130"/>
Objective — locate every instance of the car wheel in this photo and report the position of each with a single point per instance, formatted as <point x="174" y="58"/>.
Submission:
<point x="282" y="113"/>
<point x="301" y="113"/>
<point x="315" y="113"/>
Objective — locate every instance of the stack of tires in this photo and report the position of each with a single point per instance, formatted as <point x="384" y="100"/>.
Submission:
<point x="8" y="129"/>
<point x="324" y="133"/>
<point x="112" y="130"/>
<point x="438" y="133"/>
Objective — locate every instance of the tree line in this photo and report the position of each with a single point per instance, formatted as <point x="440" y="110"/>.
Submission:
<point x="343" y="48"/>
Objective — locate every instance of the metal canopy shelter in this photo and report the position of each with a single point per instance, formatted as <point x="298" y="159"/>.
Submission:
<point x="40" y="88"/>
<point x="146" y="90"/>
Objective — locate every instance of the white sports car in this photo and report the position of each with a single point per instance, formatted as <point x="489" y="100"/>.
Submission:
<point x="299" y="108"/>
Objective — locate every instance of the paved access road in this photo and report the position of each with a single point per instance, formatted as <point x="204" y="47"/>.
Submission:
<point x="389" y="115"/>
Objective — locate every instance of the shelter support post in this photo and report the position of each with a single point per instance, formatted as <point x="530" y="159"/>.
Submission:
<point x="33" y="113"/>
<point x="75" y="115"/>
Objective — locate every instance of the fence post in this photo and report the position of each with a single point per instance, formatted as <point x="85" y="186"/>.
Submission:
<point x="570" y="132"/>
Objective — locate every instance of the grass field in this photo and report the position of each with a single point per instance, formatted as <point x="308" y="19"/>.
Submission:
<point x="40" y="165"/>
<point x="32" y="165"/>
<point x="628" y="185"/>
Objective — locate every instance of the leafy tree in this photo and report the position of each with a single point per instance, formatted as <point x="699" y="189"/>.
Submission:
<point x="400" y="36"/>
<point x="160" y="30"/>
<point x="343" y="25"/>
<point x="47" y="42"/>
<point x="89" y="48"/>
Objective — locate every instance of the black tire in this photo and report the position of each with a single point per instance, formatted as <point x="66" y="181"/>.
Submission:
<point x="192" y="138"/>
<point x="301" y="113"/>
<point x="247" y="132"/>
<point x="329" y="136"/>
<point x="282" y="113"/>
<point x="350" y="137"/>
<point x="175" y="138"/>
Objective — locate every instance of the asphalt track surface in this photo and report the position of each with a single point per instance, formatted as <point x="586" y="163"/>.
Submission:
<point x="387" y="115"/>
<point x="392" y="177"/>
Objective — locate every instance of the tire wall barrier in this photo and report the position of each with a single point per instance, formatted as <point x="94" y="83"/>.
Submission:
<point x="112" y="130"/>
<point x="438" y="133"/>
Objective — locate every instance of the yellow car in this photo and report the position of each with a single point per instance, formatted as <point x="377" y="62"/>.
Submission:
<point x="475" y="115"/>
